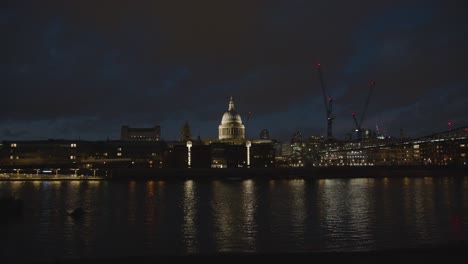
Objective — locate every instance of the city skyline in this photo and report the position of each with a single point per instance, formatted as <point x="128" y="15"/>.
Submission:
<point x="82" y="70"/>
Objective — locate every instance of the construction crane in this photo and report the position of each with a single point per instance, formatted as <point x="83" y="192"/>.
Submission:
<point x="328" y="104"/>
<point x="358" y="125"/>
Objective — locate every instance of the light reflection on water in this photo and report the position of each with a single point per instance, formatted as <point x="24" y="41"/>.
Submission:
<point x="228" y="213"/>
<point x="249" y="203"/>
<point x="297" y="205"/>
<point x="177" y="217"/>
<point x="190" y="213"/>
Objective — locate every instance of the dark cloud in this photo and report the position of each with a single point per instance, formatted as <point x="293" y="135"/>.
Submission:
<point x="13" y="134"/>
<point x="83" y="68"/>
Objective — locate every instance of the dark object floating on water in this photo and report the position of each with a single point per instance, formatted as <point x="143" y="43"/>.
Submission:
<point x="11" y="207"/>
<point x="77" y="213"/>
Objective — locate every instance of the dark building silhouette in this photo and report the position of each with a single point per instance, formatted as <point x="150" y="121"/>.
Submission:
<point x="140" y="134"/>
<point x="264" y="134"/>
<point x="185" y="133"/>
<point x="297" y="137"/>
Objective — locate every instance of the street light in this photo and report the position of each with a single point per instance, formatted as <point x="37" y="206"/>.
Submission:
<point x="189" y="153"/>
<point x="56" y="172"/>
<point x="94" y="172"/>
<point x="248" y="144"/>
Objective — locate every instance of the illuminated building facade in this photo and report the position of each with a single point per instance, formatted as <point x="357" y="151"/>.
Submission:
<point x="449" y="148"/>
<point x="231" y="126"/>
<point x="442" y="149"/>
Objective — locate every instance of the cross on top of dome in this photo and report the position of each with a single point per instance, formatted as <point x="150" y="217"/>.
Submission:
<point x="231" y="104"/>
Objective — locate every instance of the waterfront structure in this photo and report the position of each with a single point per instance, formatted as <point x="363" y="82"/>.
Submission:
<point x="140" y="134"/>
<point x="142" y="148"/>
<point x="449" y="148"/>
<point x="85" y="156"/>
<point x="440" y="149"/>
<point x="231" y="126"/>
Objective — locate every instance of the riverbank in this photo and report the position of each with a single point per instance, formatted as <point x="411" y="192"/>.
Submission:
<point x="46" y="177"/>
<point x="288" y="173"/>
<point x="248" y="173"/>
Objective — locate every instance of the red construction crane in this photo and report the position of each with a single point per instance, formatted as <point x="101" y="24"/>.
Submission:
<point x="363" y="114"/>
<point x="328" y="104"/>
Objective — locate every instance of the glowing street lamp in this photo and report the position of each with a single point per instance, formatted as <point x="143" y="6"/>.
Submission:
<point x="248" y="144"/>
<point x="189" y="153"/>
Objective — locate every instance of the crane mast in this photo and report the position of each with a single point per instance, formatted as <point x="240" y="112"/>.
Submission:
<point x="328" y="101"/>
<point x="364" y="111"/>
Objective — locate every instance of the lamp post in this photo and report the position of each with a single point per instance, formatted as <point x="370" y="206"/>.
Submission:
<point x="94" y="172"/>
<point x="56" y="172"/>
<point x="248" y="144"/>
<point x="75" y="172"/>
<point x="189" y="153"/>
<point x="37" y="172"/>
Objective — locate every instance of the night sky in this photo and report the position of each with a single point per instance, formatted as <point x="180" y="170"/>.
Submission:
<point x="82" y="69"/>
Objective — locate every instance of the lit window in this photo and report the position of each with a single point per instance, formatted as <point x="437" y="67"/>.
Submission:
<point x="11" y="157"/>
<point x="72" y="157"/>
<point x="73" y="145"/>
<point x="119" y="149"/>
<point x="13" y="145"/>
<point x="119" y="154"/>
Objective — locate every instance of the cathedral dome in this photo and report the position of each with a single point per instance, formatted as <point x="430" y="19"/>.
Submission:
<point x="231" y="117"/>
<point x="231" y="124"/>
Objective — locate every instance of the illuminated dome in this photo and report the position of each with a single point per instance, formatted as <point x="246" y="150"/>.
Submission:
<point x="231" y="124"/>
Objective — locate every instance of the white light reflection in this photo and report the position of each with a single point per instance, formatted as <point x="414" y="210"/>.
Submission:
<point x="224" y="217"/>
<point x="298" y="208"/>
<point x="361" y="207"/>
<point x="345" y="208"/>
<point x="422" y="216"/>
<point x="189" y="227"/>
<point x="331" y="210"/>
<point x="249" y="204"/>
<point x="234" y="205"/>
<point x="71" y="198"/>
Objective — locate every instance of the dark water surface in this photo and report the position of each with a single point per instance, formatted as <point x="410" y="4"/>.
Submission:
<point x="138" y="218"/>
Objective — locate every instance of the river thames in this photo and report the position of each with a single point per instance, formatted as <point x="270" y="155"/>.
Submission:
<point x="146" y="218"/>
